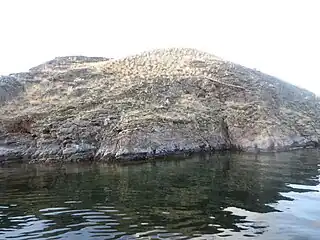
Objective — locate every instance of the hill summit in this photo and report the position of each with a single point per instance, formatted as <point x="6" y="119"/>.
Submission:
<point x="155" y="103"/>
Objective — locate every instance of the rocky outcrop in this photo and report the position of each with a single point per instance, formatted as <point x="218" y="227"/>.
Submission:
<point x="151" y="104"/>
<point x="10" y="87"/>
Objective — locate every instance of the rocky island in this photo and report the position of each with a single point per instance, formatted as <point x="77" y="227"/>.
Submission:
<point x="152" y="104"/>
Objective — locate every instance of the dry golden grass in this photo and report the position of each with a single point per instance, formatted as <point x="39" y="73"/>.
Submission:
<point x="119" y="76"/>
<point x="174" y="62"/>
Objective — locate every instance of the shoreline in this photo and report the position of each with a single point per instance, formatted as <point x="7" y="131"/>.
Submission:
<point x="135" y="159"/>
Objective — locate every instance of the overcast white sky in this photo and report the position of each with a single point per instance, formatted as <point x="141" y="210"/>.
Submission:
<point x="277" y="37"/>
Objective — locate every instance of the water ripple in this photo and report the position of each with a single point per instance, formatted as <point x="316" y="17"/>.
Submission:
<point x="203" y="197"/>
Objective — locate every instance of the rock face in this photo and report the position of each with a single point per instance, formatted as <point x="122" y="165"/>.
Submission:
<point x="10" y="87"/>
<point x="151" y="104"/>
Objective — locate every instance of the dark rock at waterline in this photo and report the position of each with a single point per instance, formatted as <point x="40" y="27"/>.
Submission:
<point x="152" y="104"/>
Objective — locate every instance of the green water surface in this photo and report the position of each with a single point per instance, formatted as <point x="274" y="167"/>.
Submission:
<point x="217" y="196"/>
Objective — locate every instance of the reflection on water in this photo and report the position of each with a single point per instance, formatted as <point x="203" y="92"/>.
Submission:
<point x="272" y="196"/>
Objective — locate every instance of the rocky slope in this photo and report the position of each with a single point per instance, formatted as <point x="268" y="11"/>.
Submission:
<point x="154" y="103"/>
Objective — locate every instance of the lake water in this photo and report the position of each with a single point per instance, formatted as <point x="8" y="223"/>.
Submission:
<point x="229" y="196"/>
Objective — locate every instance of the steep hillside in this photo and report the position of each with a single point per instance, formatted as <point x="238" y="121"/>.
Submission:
<point x="154" y="103"/>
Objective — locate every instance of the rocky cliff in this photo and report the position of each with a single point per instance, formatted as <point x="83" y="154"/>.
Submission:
<point x="151" y="104"/>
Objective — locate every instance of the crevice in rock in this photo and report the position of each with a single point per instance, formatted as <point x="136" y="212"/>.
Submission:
<point x="225" y="132"/>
